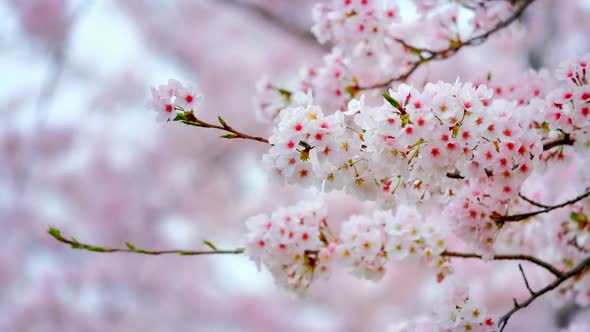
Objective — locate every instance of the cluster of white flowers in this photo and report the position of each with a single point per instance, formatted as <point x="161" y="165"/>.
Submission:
<point x="295" y="243"/>
<point x="460" y="312"/>
<point x="404" y="150"/>
<point x="438" y="158"/>
<point x="168" y="99"/>
<point x="290" y="244"/>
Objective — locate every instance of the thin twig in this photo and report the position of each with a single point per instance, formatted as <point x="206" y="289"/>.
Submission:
<point x="190" y="119"/>
<point x="446" y="53"/>
<point x="530" y="201"/>
<point x="276" y="20"/>
<point x="523" y="216"/>
<point x="75" y="244"/>
<point x="526" y="282"/>
<point x="578" y="269"/>
<point x="552" y="269"/>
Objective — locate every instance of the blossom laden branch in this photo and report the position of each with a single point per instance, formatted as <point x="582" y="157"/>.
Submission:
<point x="426" y="55"/>
<point x="579" y="269"/>
<point x="75" y="244"/>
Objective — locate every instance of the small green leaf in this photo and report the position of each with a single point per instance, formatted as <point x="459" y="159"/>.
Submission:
<point x="304" y="145"/>
<point x="579" y="217"/>
<point x="393" y="102"/>
<point x="286" y="94"/>
<point x="222" y="122"/>
<point x="130" y="246"/>
<point x="209" y="244"/>
<point x="190" y="123"/>
<point x="180" y="117"/>
<point x="97" y="249"/>
<point x="229" y="136"/>
<point x="54" y="232"/>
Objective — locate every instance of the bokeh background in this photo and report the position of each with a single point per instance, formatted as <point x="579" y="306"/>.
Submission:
<point x="79" y="151"/>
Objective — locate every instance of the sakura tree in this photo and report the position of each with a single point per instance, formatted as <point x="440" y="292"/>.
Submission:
<point x="466" y="169"/>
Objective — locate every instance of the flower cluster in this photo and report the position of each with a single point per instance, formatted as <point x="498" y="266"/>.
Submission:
<point x="405" y="148"/>
<point x="291" y="244"/>
<point x="295" y="243"/>
<point x="169" y="98"/>
<point x="460" y="312"/>
<point x="366" y="243"/>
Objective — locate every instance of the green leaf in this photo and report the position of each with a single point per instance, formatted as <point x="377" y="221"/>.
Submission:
<point x="190" y="123"/>
<point x="130" y="246"/>
<point x="179" y="117"/>
<point x="54" y="232"/>
<point x="229" y="136"/>
<point x="286" y="94"/>
<point x="222" y="122"/>
<point x="489" y="76"/>
<point x="579" y="217"/>
<point x="97" y="249"/>
<point x="393" y="102"/>
<point x="209" y="244"/>
<point x="304" y="145"/>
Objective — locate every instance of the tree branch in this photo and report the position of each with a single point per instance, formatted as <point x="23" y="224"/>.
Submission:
<point x="133" y="249"/>
<point x="291" y="29"/>
<point x="190" y="119"/>
<point x="565" y="140"/>
<point x="578" y="269"/>
<point x="523" y="216"/>
<point x="530" y="201"/>
<point x="550" y="268"/>
<point x="526" y="282"/>
<point x="450" y="51"/>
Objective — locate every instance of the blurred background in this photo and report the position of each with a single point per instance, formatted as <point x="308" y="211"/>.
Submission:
<point x="79" y="151"/>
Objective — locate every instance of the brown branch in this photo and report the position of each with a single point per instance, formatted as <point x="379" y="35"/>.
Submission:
<point x="276" y="20"/>
<point x="56" y="234"/>
<point x="535" y="203"/>
<point x="523" y="216"/>
<point x="552" y="269"/>
<point x="432" y="55"/>
<point x="190" y="119"/>
<point x="578" y="269"/>
<point x="526" y="281"/>
<point x="565" y="140"/>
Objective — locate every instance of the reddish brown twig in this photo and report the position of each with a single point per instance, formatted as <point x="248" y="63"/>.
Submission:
<point x="427" y="55"/>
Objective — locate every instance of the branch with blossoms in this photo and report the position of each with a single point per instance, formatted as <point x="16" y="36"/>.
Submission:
<point x="405" y="153"/>
<point x="426" y="55"/>
<point x="132" y="249"/>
